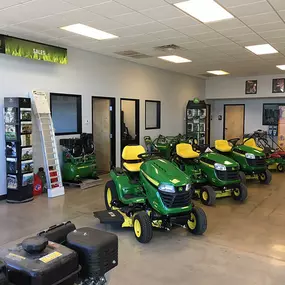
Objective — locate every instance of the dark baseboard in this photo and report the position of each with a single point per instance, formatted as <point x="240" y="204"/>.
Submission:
<point x="3" y="197"/>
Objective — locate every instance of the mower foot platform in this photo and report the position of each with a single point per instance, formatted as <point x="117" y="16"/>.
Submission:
<point x="110" y="217"/>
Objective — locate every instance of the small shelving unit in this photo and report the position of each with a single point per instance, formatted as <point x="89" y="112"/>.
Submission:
<point x="19" y="150"/>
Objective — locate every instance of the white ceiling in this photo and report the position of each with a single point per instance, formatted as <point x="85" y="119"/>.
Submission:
<point x="144" y="24"/>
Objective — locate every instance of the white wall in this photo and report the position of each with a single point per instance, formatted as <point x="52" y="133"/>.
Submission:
<point x="90" y="74"/>
<point x="234" y="87"/>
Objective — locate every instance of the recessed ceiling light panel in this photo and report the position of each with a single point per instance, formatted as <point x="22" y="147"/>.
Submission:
<point x="262" y="49"/>
<point x="282" y="67"/>
<point x="175" y="59"/>
<point x="90" y="32"/>
<point x="204" y="10"/>
<point x="218" y="72"/>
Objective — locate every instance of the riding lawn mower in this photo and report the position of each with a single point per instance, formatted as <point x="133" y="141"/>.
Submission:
<point x="252" y="161"/>
<point x="150" y="192"/>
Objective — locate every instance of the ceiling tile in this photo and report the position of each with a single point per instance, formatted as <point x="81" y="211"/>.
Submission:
<point x="226" y="25"/>
<point x="139" y="5"/>
<point x="277" y="40"/>
<point x="104" y="24"/>
<point x="9" y="3"/>
<point x="163" y="13"/>
<point x="217" y="42"/>
<point x="273" y="34"/>
<point x="237" y="32"/>
<point x="208" y="36"/>
<point x="193" y="45"/>
<point x="269" y="27"/>
<point x="85" y="3"/>
<point x="243" y="38"/>
<point x="195" y="30"/>
<point x="277" y="4"/>
<point x="260" y="19"/>
<point x="180" y="22"/>
<point x="133" y="18"/>
<point x="251" y="9"/>
<point x="109" y="9"/>
<point x="168" y="34"/>
<point x="150" y="27"/>
<point x="125" y="32"/>
<point x="233" y="3"/>
<point x="282" y="14"/>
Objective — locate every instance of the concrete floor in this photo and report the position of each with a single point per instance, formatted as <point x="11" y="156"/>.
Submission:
<point x="244" y="244"/>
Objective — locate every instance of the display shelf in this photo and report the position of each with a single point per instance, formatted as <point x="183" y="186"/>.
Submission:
<point x="19" y="157"/>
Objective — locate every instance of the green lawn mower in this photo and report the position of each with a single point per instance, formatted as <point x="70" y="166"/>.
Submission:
<point x="212" y="175"/>
<point x="252" y="161"/>
<point x="150" y="192"/>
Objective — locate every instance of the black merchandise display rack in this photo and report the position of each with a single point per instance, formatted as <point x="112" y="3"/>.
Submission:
<point x="19" y="150"/>
<point x="196" y="116"/>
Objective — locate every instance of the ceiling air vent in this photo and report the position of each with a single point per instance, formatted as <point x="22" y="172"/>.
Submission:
<point x="132" y="53"/>
<point x="168" y="48"/>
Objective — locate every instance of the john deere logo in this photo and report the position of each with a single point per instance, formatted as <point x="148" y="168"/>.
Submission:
<point x="180" y="189"/>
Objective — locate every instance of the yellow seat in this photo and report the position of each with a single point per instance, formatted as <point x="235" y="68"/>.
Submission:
<point x="130" y="155"/>
<point x="251" y="142"/>
<point x="223" y="146"/>
<point x="185" y="150"/>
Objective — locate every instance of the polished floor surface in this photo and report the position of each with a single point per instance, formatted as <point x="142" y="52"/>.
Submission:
<point x="244" y="243"/>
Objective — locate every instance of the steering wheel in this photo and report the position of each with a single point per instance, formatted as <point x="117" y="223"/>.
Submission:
<point x="148" y="155"/>
<point x="234" y="141"/>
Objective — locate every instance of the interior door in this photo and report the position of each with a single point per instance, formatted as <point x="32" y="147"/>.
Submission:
<point x="102" y="133"/>
<point x="233" y="121"/>
<point x="129" y="122"/>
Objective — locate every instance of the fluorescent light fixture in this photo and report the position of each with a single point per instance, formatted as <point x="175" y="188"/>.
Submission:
<point x="175" y="59"/>
<point x="218" y="72"/>
<point x="87" y="31"/>
<point x="262" y="49"/>
<point x="282" y="67"/>
<point x="204" y="10"/>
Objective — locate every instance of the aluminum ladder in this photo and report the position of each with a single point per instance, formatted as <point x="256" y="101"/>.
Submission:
<point x="42" y="113"/>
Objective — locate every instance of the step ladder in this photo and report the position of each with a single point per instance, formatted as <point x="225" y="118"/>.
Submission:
<point x="41" y="111"/>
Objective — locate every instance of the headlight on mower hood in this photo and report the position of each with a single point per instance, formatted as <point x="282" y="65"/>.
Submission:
<point x="220" y="167"/>
<point x="168" y="188"/>
<point x="188" y="187"/>
<point x="250" y="155"/>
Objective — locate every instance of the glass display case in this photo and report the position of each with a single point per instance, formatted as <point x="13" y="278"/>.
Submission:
<point x="19" y="151"/>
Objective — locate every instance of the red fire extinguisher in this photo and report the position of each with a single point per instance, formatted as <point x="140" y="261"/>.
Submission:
<point x="38" y="185"/>
<point x="53" y="177"/>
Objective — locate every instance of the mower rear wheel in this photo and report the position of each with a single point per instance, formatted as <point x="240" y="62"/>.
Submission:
<point x="110" y="194"/>
<point x="240" y="193"/>
<point x="142" y="227"/>
<point x="280" y="167"/>
<point x="208" y="195"/>
<point x="242" y="177"/>
<point x="197" y="223"/>
<point x="265" y="177"/>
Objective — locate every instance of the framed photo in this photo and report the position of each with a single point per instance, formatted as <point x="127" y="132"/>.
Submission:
<point x="278" y="85"/>
<point x="251" y="87"/>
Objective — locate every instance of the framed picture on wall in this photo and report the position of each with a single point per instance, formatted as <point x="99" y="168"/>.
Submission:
<point x="251" y="87"/>
<point x="278" y="85"/>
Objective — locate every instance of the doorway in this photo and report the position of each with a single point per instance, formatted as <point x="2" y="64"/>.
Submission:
<point x="130" y="123"/>
<point x="103" y="129"/>
<point x="234" y="121"/>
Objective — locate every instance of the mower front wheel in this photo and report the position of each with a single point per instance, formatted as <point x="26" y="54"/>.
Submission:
<point x="208" y="195"/>
<point x="280" y="167"/>
<point x="110" y="194"/>
<point x="142" y="227"/>
<point x="240" y="193"/>
<point x="265" y="177"/>
<point x="242" y="177"/>
<point x="197" y="223"/>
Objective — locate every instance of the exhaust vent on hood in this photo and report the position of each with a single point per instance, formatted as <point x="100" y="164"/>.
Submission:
<point x="133" y="54"/>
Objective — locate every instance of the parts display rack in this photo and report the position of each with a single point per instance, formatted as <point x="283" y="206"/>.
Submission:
<point x="196" y="116"/>
<point x="19" y="151"/>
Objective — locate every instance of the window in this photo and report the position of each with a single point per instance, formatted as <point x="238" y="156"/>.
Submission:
<point x="271" y="114"/>
<point x="152" y="114"/>
<point x="66" y="113"/>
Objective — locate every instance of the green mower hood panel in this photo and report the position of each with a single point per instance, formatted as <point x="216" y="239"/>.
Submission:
<point x="248" y="149"/>
<point x="221" y="159"/>
<point x="159" y="171"/>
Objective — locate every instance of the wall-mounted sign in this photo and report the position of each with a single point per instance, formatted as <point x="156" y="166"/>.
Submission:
<point x="33" y="50"/>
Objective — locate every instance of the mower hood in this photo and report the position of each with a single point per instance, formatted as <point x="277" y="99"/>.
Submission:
<point x="159" y="171"/>
<point x="221" y="159"/>
<point x="247" y="149"/>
